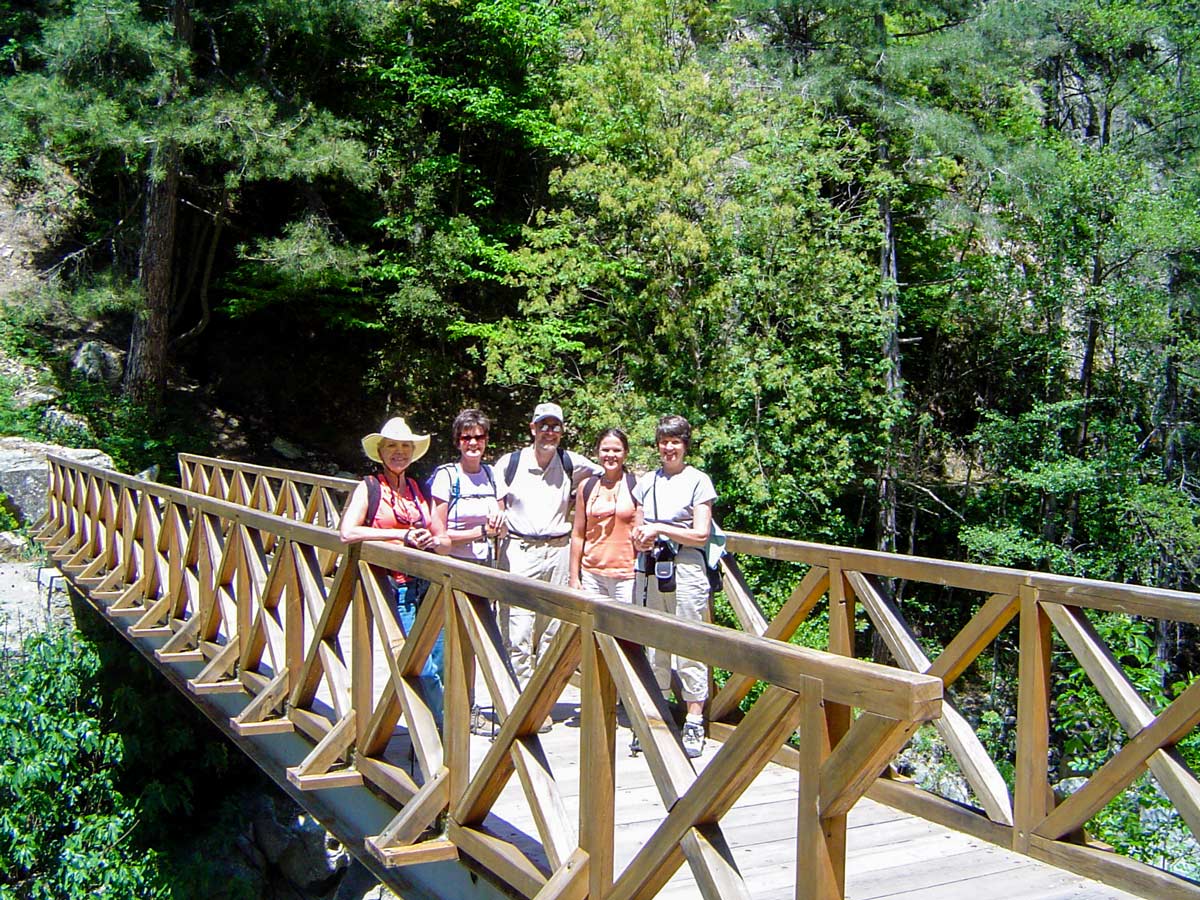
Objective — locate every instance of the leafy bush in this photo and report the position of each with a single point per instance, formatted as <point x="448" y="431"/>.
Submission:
<point x="66" y="829"/>
<point x="13" y="421"/>
<point x="101" y="761"/>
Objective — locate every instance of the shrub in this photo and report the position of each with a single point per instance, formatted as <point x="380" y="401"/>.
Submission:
<point x="66" y="830"/>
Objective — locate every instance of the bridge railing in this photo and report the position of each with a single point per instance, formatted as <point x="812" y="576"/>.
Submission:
<point x="1039" y="606"/>
<point x="272" y="606"/>
<point x="1030" y="608"/>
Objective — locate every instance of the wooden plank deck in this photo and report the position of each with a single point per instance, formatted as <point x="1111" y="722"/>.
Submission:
<point x="890" y="854"/>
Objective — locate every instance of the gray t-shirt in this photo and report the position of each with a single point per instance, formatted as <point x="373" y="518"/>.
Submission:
<point x="672" y="499"/>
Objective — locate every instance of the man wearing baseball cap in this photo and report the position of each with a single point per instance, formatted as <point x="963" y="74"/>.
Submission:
<point x="535" y="485"/>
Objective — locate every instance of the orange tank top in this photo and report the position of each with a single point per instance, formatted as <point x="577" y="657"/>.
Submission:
<point x="399" y="509"/>
<point x="608" y="533"/>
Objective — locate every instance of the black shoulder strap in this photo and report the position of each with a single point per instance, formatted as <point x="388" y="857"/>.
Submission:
<point x="372" y="499"/>
<point x="565" y="460"/>
<point x="514" y="460"/>
<point x="415" y="496"/>
<point x="630" y="482"/>
<point x="588" y="487"/>
<point x="487" y="470"/>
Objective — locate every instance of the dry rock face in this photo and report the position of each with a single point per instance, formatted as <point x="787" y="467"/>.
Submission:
<point x="32" y="598"/>
<point x="23" y="473"/>
<point x="22" y="237"/>
<point x="30" y="224"/>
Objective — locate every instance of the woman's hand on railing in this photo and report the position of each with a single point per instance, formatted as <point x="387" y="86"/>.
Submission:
<point x="420" y="539"/>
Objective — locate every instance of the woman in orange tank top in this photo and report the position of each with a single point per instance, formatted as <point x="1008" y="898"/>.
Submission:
<point x="602" y="554"/>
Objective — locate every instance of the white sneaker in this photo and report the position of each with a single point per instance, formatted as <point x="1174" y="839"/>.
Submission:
<point x="693" y="739"/>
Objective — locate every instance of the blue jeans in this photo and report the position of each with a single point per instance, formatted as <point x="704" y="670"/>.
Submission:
<point x="408" y="600"/>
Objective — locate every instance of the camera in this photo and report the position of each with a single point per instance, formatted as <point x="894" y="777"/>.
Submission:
<point x="663" y="555"/>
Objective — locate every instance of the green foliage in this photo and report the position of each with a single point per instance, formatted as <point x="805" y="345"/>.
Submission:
<point x="682" y="265"/>
<point x="133" y="437"/>
<point x="65" y="825"/>
<point x="99" y="765"/>
<point x="8" y="522"/>
<point x="1139" y="822"/>
<point x="13" y="421"/>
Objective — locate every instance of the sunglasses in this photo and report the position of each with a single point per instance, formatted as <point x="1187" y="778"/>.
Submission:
<point x="555" y="428"/>
<point x="471" y="438"/>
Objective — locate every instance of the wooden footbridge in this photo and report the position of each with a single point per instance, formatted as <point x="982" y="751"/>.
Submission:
<point x="238" y="590"/>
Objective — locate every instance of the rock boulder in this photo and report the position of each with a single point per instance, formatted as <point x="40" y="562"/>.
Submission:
<point x="98" y="361"/>
<point x="23" y="473"/>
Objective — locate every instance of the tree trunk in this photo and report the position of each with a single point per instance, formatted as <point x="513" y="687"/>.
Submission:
<point x="887" y="528"/>
<point x="146" y="374"/>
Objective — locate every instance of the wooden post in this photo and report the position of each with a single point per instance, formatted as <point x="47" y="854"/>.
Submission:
<point x="362" y="660"/>
<point x="837" y="715"/>
<point x="460" y="672"/>
<point x="597" y="765"/>
<point x="244" y="590"/>
<point x="819" y="875"/>
<point x="293" y="611"/>
<point x="1032" y="800"/>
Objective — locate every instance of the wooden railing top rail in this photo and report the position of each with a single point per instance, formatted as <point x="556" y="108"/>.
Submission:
<point x="1134" y="599"/>
<point x="329" y="481"/>
<point x="883" y="690"/>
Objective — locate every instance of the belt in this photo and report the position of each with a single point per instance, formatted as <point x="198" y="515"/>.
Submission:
<point x="539" y="538"/>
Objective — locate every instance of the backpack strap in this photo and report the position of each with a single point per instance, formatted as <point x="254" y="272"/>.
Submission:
<point x="588" y="487"/>
<point x="514" y="459"/>
<point x="510" y="469"/>
<point x="451" y="470"/>
<point x="373" y="492"/>
<point x="415" y="497"/>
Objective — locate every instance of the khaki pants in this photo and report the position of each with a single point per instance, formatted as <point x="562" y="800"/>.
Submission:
<point x="529" y="634"/>
<point x="690" y="601"/>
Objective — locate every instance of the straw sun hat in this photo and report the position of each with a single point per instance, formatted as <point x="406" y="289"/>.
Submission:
<point x="395" y="430"/>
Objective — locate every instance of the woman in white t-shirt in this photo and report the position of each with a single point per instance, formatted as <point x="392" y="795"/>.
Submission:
<point x="676" y="502"/>
<point x="464" y="493"/>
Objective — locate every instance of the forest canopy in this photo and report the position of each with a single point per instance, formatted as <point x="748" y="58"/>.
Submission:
<point x="923" y="276"/>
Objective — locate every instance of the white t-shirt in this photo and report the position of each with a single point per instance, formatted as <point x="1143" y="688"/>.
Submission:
<point x="672" y="499"/>
<point x="472" y="498"/>
<point x="538" y="501"/>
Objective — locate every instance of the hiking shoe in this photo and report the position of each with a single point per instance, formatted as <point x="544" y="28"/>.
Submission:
<point x="635" y="746"/>
<point x="693" y="739"/>
<point x="547" y="725"/>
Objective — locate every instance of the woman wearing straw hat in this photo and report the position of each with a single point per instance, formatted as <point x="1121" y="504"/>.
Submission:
<point x="389" y="506"/>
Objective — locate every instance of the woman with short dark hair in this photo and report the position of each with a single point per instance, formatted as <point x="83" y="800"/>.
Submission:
<point x="464" y="493"/>
<point x="676" y="503"/>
